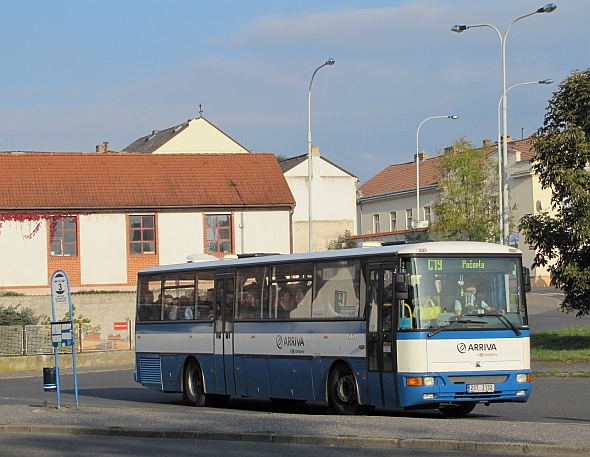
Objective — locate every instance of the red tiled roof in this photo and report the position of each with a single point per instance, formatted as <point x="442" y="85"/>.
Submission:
<point x="524" y="146"/>
<point x="403" y="176"/>
<point x="74" y="181"/>
<point x="400" y="177"/>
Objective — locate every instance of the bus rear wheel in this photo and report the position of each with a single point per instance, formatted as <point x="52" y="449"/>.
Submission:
<point x="193" y="384"/>
<point x="342" y="396"/>
<point x="460" y="410"/>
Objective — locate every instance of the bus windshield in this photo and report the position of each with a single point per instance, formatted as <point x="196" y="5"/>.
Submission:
<point x="467" y="292"/>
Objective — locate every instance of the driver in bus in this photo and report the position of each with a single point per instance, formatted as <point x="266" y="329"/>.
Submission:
<point x="473" y="302"/>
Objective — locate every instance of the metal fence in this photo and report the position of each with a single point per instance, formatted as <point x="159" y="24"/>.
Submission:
<point x="36" y="339"/>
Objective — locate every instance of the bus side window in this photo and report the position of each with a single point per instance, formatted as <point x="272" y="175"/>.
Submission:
<point x="148" y="307"/>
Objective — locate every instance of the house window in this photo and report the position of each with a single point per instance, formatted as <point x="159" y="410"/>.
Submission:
<point x="218" y="233"/>
<point x="427" y="214"/>
<point x="376" y="223"/>
<point x="142" y="234"/>
<point x="409" y="218"/>
<point x="63" y="236"/>
<point x="393" y="221"/>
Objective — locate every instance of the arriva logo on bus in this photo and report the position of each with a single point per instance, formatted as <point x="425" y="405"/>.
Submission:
<point x="285" y="341"/>
<point x="463" y="348"/>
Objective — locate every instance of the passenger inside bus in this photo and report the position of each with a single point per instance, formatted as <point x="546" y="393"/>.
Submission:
<point x="285" y="303"/>
<point x="250" y="307"/>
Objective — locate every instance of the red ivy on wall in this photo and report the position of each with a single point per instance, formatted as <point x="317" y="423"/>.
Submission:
<point x="34" y="217"/>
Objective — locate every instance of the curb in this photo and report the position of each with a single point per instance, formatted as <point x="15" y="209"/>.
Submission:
<point x="348" y="441"/>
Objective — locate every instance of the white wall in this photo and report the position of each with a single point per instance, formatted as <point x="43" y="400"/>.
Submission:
<point x="179" y="235"/>
<point x="262" y="231"/>
<point x="200" y="137"/>
<point x="23" y="262"/>
<point x="103" y="249"/>
<point x="333" y="204"/>
<point x="333" y="192"/>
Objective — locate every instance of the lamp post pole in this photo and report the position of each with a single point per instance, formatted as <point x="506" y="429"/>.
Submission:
<point x="309" y="164"/>
<point x="500" y="175"/>
<point x="417" y="224"/>
<point x="550" y="7"/>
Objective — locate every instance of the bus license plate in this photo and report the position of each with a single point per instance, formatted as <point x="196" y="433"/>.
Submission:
<point x="480" y="388"/>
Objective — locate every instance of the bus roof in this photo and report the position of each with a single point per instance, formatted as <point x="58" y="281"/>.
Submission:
<point x="434" y="248"/>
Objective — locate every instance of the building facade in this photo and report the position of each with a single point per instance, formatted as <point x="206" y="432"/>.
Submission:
<point x="103" y="217"/>
<point x="387" y="202"/>
<point x="333" y="200"/>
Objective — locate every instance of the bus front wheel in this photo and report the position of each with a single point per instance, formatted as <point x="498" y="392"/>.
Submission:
<point x="342" y="396"/>
<point x="460" y="410"/>
<point x="193" y="384"/>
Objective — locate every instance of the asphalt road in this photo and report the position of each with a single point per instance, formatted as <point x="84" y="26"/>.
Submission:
<point x="554" y="400"/>
<point x="544" y="313"/>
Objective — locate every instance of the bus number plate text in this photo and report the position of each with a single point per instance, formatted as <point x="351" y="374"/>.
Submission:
<point x="480" y="388"/>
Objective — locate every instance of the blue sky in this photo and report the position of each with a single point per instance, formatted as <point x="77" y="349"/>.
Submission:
<point x="77" y="73"/>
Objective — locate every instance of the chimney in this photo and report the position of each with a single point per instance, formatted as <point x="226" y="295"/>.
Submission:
<point x="315" y="151"/>
<point x="104" y="147"/>
<point x="423" y="156"/>
<point x="487" y="143"/>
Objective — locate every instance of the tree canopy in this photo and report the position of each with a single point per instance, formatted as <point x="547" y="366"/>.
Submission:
<point x="342" y="241"/>
<point x="467" y="204"/>
<point x="562" y="154"/>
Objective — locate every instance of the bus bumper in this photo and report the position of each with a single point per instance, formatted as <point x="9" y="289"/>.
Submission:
<point x="433" y="389"/>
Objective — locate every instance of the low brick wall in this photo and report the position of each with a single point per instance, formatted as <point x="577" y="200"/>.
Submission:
<point x="96" y="307"/>
<point x="37" y="362"/>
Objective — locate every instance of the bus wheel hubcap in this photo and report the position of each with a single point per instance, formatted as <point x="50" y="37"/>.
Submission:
<point x="345" y="389"/>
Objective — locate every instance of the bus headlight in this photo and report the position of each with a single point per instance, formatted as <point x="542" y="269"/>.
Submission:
<point x="524" y="377"/>
<point x="427" y="381"/>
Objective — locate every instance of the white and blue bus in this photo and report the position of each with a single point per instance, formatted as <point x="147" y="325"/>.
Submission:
<point x="439" y="325"/>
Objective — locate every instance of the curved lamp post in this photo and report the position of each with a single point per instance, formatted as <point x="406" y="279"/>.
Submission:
<point x="309" y="165"/>
<point x="501" y="177"/>
<point x="548" y="8"/>
<point x="417" y="225"/>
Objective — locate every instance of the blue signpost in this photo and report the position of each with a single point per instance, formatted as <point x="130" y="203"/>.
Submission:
<point x="62" y="332"/>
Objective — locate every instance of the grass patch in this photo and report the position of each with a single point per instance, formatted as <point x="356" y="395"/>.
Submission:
<point x="567" y="345"/>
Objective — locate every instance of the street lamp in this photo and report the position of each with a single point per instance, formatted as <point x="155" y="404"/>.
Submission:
<point x="502" y="178"/>
<point x="417" y="225"/>
<point x="309" y="167"/>
<point x="548" y="8"/>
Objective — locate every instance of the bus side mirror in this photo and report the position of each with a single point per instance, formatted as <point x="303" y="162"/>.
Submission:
<point x="401" y="286"/>
<point x="526" y="279"/>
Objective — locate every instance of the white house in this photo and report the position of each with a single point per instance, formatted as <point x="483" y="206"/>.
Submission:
<point x="195" y="136"/>
<point x="333" y="188"/>
<point x="104" y="216"/>
<point x="333" y="200"/>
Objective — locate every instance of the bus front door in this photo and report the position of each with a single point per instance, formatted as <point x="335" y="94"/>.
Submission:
<point x="381" y="347"/>
<point x="224" y="333"/>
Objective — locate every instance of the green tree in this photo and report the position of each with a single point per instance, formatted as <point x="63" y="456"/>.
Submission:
<point x="562" y="154"/>
<point x="14" y="316"/>
<point x="467" y="204"/>
<point x="46" y="320"/>
<point x="343" y="241"/>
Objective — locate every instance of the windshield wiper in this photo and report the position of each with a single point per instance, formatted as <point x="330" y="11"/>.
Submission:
<point x="506" y="321"/>
<point x="460" y="321"/>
